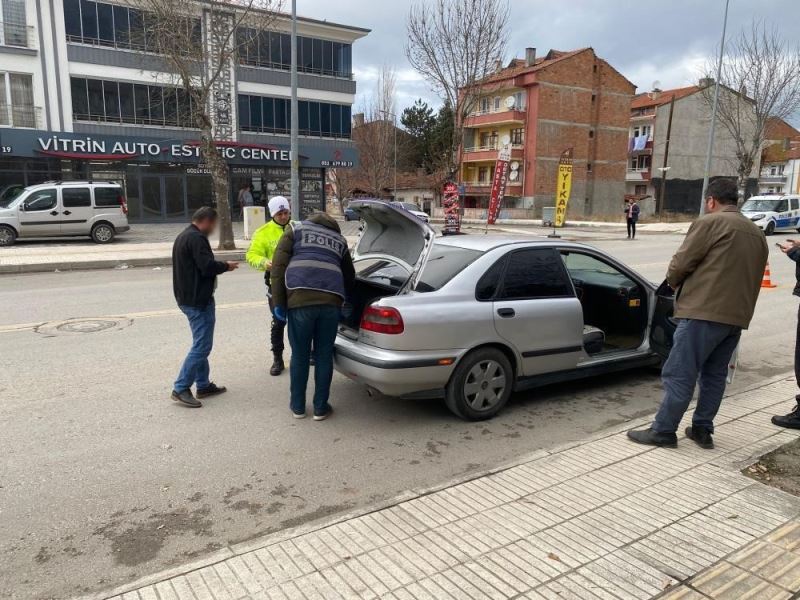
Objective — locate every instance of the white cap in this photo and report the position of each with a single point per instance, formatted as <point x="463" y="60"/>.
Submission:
<point x="277" y="204"/>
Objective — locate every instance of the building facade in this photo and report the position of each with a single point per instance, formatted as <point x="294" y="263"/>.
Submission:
<point x="83" y="95"/>
<point x="780" y="160"/>
<point x="688" y="141"/>
<point x="542" y="106"/>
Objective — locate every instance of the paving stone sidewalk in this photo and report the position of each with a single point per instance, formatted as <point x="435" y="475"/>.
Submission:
<point x="599" y="519"/>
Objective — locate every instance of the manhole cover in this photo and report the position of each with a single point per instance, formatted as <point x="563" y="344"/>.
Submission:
<point x="83" y="326"/>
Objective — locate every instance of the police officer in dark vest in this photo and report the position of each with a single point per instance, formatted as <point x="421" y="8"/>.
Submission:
<point x="312" y="275"/>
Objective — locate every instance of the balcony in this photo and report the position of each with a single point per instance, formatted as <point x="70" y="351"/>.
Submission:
<point x="642" y="174"/>
<point x="21" y="116"/>
<point x="767" y="178"/>
<point x="483" y="188"/>
<point x="502" y="116"/>
<point x="17" y="35"/>
<point x="648" y="147"/>
<point x="489" y="153"/>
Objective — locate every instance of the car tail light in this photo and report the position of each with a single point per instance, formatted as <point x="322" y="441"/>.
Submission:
<point x="381" y="319"/>
<point x="123" y="204"/>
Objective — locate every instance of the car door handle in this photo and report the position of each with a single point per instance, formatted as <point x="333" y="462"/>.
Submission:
<point x="66" y="212"/>
<point x="506" y="313"/>
<point x="54" y="212"/>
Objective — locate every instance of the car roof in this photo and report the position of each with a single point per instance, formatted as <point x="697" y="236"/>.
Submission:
<point x="485" y="243"/>
<point x="69" y="183"/>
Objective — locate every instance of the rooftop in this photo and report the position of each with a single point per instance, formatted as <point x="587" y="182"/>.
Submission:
<point x="659" y="97"/>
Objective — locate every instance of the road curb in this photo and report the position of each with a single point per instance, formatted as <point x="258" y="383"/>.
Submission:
<point x="284" y="534"/>
<point x="106" y="263"/>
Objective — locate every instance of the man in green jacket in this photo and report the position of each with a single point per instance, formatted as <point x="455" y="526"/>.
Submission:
<point x="312" y="275"/>
<point x="259" y="256"/>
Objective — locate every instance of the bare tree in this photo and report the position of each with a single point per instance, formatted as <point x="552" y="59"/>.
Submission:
<point x="762" y="74"/>
<point x="454" y="45"/>
<point x="199" y="41"/>
<point x="375" y="138"/>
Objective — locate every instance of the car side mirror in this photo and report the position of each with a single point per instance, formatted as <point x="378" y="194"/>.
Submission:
<point x="22" y="206"/>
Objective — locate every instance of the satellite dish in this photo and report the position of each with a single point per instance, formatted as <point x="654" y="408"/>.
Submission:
<point x="514" y="166"/>
<point x="510" y="102"/>
<point x="505" y="140"/>
<point x="513" y="175"/>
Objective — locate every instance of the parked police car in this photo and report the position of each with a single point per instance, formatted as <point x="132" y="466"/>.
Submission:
<point x="774" y="213"/>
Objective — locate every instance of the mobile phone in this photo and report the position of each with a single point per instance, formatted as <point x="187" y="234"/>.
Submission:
<point x="778" y="244"/>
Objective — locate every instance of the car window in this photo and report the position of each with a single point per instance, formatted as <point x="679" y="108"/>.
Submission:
<point x="41" y="200"/>
<point x="534" y="273"/>
<point x="490" y="281"/>
<point x="575" y="261"/>
<point x="107" y="196"/>
<point x="795" y="204"/>
<point x="75" y="197"/>
<point x="765" y="204"/>
<point x="9" y="194"/>
<point x="783" y="206"/>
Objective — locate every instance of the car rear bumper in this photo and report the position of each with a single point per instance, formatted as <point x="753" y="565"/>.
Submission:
<point x="122" y="228"/>
<point x="395" y="372"/>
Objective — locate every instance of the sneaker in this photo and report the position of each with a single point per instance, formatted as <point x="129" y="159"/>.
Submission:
<point x="212" y="390"/>
<point x="649" y="437"/>
<point x="790" y="421"/>
<point x="186" y="398"/>
<point x="301" y="415"/>
<point x="700" y="436"/>
<point x="321" y="417"/>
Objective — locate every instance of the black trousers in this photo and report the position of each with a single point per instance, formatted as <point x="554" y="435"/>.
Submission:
<point x="277" y="327"/>
<point x="631" y="228"/>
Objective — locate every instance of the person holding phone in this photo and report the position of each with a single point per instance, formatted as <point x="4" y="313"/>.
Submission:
<point x="791" y="248"/>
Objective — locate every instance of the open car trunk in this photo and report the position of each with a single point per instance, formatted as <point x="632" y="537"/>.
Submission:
<point x="366" y="292"/>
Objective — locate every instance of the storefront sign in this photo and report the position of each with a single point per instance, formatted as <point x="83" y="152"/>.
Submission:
<point x="499" y="182"/>
<point x="452" y="209"/>
<point x="563" y="186"/>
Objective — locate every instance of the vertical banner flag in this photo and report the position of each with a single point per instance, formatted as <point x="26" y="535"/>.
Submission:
<point x="452" y="209"/>
<point x="563" y="186"/>
<point x="499" y="182"/>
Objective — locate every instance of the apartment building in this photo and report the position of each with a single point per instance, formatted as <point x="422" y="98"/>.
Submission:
<point x="684" y="166"/>
<point x="542" y="106"/>
<point x="83" y="96"/>
<point x="780" y="160"/>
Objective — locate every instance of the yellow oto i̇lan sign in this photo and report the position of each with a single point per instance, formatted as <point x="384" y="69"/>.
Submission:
<point x="563" y="186"/>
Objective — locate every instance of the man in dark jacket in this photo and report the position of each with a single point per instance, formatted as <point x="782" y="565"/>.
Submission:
<point x="312" y="274"/>
<point x="194" y="279"/>
<point x="717" y="273"/>
<point x="791" y="248"/>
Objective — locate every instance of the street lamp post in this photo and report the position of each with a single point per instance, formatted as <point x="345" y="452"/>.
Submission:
<point x="293" y="133"/>
<point x="714" y="111"/>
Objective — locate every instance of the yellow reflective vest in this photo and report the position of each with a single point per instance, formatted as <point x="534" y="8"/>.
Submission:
<point x="262" y="246"/>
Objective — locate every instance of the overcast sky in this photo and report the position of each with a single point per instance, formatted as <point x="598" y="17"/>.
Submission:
<point x="647" y="40"/>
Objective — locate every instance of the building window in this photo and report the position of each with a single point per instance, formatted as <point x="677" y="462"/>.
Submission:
<point x="272" y="115"/>
<point x="497" y="102"/>
<point x="591" y="133"/>
<point x="484" y="105"/>
<point x="519" y="100"/>
<point x="140" y="104"/>
<point x="16" y="100"/>
<point x="483" y="174"/>
<point x="640" y="130"/>
<point x="640" y="190"/>
<point x="14" y="26"/>
<point x="517" y="136"/>
<point x="594" y="97"/>
<point x="102" y="24"/>
<point x="272" y="49"/>
<point x="589" y="167"/>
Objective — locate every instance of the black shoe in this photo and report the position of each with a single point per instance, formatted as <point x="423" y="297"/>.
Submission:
<point x="322" y="416"/>
<point x="186" y="398"/>
<point x="701" y="437"/>
<point x="791" y="421"/>
<point x="277" y="365"/>
<point x="212" y="390"/>
<point x="653" y="438"/>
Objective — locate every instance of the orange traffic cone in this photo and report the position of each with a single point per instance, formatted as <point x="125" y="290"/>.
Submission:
<point x="766" y="281"/>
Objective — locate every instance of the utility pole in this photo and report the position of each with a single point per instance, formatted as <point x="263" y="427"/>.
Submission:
<point x="664" y="166"/>
<point x="294" y="142"/>
<point x="714" y="111"/>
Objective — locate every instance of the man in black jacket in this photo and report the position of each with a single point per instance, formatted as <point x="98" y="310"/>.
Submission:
<point x="194" y="279"/>
<point x="792" y="249"/>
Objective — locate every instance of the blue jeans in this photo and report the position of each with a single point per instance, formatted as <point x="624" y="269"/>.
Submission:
<point x="307" y="325"/>
<point x="701" y="351"/>
<point x="195" y="368"/>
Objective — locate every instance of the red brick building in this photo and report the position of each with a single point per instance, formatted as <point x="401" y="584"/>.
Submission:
<point x="542" y="106"/>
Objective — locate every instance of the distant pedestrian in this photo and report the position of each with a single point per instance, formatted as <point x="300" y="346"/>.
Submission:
<point x="717" y="275"/>
<point x="194" y="279"/>
<point x="792" y="249"/>
<point x="312" y="274"/>
<point x="245" y="198"/>
<point x="259" y="256"/>
<point x="631" y="217"/>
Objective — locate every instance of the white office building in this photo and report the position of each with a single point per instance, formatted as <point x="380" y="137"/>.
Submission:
<point x="83" y="96"/>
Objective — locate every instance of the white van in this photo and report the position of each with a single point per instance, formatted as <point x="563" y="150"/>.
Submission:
<point x="774" y="213"/>
<point x="57" y="209"/>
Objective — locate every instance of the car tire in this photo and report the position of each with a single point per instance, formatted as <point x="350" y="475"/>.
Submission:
<point x="480" y="385"/>
<point x="7" y="235"/>
<point x="103" y="233"/>
<point x="770" y="228"/>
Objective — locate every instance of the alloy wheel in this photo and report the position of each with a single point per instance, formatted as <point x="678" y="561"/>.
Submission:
<point x="103" y="233"/>
<point x="484" y="385"/>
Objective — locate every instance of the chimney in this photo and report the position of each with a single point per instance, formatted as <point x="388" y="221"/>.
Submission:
<point x="358" y="120"/>
<point x="706" y="82"/>
<point x="530" y="57"/>
<point x="498" y="65"/>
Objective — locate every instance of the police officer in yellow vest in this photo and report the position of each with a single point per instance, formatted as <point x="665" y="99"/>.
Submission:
<point x="259" y="256"/>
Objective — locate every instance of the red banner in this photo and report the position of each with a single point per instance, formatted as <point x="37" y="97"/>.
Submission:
<point x="452" y="209"/>
<point x="499" y="183"/>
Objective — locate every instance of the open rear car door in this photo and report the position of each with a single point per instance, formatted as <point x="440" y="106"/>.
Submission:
<point x="662" y="327"/>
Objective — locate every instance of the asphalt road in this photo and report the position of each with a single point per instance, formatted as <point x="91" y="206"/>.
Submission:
<point x="104" y="479"/>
